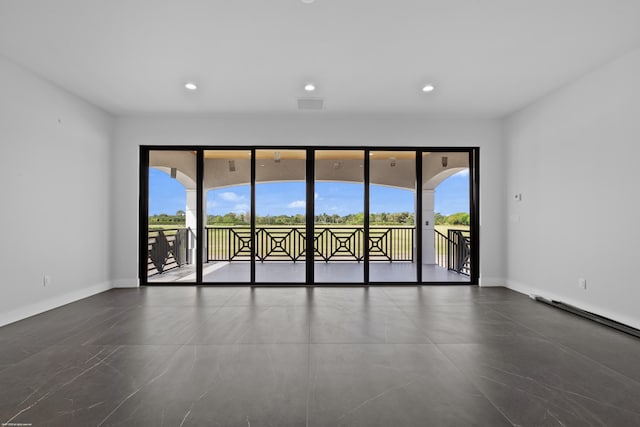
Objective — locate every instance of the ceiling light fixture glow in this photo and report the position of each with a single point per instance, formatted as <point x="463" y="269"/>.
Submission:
<point x="428" y="88"/>
<point x="309" y="87"/>
<point x="190" y="86"/>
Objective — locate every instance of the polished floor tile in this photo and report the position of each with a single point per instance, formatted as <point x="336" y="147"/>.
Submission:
<point x="616" y="350"/>
<point x="392" y="385"/>
<point x="474" y="323"/>
<point x="64" y="324"/>
<point x="152" y="325"/>
<point x="264" y="297"/>
<point x="12" y="353"/>
<point x="449" y="295"/>
<point x="364" y="325"/>
<point x="254" y="325"/>
<point x="539" y="383"/>
<point x="79" y="385"/>
<point x="180" y="386"/>
<point x="350" y="297"/>
<point x="324" y="356"/>
<point x="169" y="296"/>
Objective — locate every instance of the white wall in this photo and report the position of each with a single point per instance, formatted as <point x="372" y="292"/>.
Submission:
<point x="574" y="157"/>
<point x="54" y="173"/>
<point x="304" y="129"/>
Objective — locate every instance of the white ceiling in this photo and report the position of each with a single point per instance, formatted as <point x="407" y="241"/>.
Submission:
<point x="487" y="57"/>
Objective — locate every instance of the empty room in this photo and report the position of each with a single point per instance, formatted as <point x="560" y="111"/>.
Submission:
<point x="319" y="213"/>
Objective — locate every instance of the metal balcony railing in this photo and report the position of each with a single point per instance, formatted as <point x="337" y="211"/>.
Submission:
<point x="171" y="248"/>
<point x="453" y="250"/>
<point x="168" y="249"/>
<point x="331" y="243"/>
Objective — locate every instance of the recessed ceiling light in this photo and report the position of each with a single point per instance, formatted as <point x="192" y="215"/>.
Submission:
<point x="307" y="1"/>
<point x="428" y="88"/>
<point x="309" y="87"/>
<point x="190" y="86"/>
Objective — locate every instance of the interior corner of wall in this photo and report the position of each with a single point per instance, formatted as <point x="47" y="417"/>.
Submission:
<point x="491" y="282"/>
<point x="125" y="283"/>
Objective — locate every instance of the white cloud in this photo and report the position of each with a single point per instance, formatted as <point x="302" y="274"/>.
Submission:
<point x="241" y="208"/>
<point x="212" y="204"/>
<point x="297" y="204"/>
<point x="316" y="196"/>
<point x="462" y="174"/>
<point x="230" y="196"/>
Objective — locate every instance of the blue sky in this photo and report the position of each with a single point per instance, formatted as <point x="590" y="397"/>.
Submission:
<point x="166" y="195"/>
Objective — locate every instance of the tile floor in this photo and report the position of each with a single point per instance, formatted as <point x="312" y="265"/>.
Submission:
<point x="392" y="356"/>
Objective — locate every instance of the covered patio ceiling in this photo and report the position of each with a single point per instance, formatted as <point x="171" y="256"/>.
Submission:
<point x="229" y="168"/>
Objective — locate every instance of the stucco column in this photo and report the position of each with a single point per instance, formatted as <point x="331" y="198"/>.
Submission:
<point x="191" y="219"/>
<point x="428" y="223"/>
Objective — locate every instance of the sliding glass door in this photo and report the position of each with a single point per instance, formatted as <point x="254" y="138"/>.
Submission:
<point x="227" y="219"/>
<point x="447" y="219"/>
<point x="392" y="219"/>
<point x="280" y="216"/>
<point x="171" y="232"/>
<point x="339" y="216"/>
<point x="291" y="216"/>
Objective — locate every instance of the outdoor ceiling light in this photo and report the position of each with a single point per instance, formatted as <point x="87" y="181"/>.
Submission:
<point x="445" y="161"/>
<point x="393" y="162"/>
<point x="190" y="86"/>
<point x="174" y="173"/>
<point x="276" y="157"/>
<point x="232" y="165"/>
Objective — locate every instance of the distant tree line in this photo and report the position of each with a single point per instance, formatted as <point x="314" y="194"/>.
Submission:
<point x="165" y="219"/>
<point x="460" y="218"/>
<point x="396" y="218"/>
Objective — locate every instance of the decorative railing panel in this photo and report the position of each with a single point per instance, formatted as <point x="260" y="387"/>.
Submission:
<point x="167" y="249"/>
<point x="331" y="243"/>
<point x="460" y="251"/>
<point x="391" y="243"/>
<point x="280" y="244"/>
<point x="228" y="243"/>
<point x="453" y="250"/>
<point x="338" y="244"/>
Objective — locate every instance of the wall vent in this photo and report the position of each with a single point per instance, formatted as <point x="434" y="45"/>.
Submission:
<point x="310" y="104"/>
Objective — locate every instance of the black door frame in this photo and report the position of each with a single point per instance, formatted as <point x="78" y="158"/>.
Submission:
<point x="143" y="223"/>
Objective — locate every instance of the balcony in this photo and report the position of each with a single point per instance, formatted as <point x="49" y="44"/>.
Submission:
<point x="281" y="254"/>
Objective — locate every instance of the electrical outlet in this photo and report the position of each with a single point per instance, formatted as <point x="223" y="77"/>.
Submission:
<point x="582" y="283"/>
<point x="46" y="280"/>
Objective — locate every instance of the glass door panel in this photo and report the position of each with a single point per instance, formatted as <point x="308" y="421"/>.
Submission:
<point x="227" y="193"/>
<point x="339" y="216"/>
<point x="280" y="216"/>
<point x="172" y="229"/>
<point x="446" y="236"/>
<point x="392" y="201"/>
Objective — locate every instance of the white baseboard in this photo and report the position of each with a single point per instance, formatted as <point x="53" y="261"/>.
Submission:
<point x="490" y="282"/>
<point x="532" y="291"/>
<point x="521" y="287"/>
<point x="125" y="283"/>
<point x="51" y="303"/>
